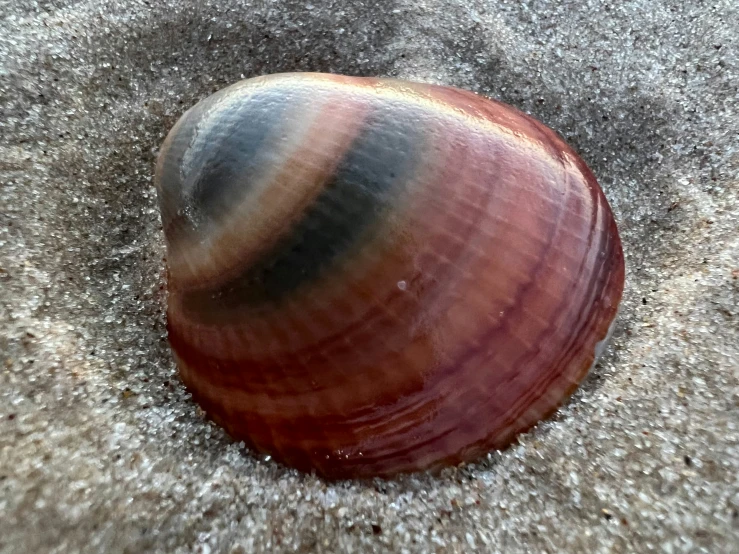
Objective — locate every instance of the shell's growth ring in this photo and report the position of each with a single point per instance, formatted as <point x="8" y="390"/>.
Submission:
<point x="370" y="276"/>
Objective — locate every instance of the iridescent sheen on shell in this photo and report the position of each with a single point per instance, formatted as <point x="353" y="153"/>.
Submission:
<point x="369" y="276"/>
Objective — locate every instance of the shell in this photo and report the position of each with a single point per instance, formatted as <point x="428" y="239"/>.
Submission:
<point x="370" y="276"/>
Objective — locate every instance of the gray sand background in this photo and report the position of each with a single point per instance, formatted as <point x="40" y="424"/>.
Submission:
<point x="101" y="448"/>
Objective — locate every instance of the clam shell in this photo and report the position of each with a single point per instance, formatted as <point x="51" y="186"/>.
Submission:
<point x="370" y="276"/>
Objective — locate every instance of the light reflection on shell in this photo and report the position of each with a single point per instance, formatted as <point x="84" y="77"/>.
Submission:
<point x="371" y="276"/>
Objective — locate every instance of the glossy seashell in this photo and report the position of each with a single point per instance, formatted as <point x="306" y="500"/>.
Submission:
<point x="369" y="276"/>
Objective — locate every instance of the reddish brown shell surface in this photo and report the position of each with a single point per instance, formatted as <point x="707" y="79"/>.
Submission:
<point x="370" y="276"/>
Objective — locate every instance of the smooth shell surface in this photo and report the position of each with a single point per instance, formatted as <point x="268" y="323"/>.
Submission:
<point x="371" y="276"/>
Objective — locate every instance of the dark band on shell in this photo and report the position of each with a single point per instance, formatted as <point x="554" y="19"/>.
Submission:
<point x="370" y="276"/>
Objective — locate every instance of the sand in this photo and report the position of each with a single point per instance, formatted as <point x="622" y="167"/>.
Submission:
<point x="101" y="448"/>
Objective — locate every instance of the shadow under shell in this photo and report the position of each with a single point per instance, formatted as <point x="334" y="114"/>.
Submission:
<point x="370" y="276"/>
